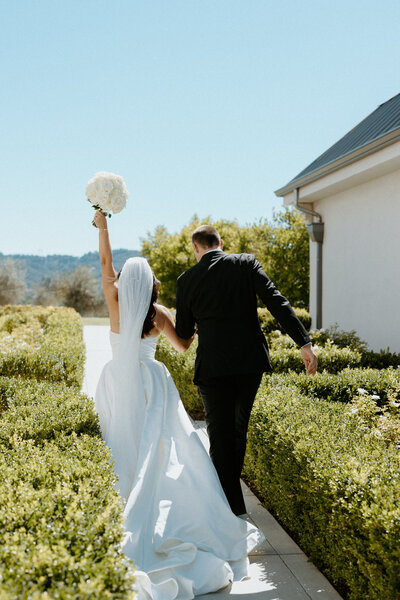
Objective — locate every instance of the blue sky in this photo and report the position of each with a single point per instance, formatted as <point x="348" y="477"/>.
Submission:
<point x="203" y="106"/>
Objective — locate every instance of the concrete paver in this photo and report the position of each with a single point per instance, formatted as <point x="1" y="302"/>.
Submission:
<point x="315" y="584"/>
<point x="98" y="353"/>
<point x="279" y="569"/>
<point x="277" y="536"/>
<point x="267" y="582"/>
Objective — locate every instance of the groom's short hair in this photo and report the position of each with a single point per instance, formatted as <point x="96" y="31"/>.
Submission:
<point x="206" y="236"/>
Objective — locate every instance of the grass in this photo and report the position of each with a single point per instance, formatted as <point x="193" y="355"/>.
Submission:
<point x="104" y="321"/>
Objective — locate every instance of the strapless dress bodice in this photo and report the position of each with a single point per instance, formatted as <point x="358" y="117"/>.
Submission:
<point x="148" y="346"/>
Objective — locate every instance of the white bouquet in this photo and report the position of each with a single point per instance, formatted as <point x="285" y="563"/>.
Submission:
<point x="107" y="192"/>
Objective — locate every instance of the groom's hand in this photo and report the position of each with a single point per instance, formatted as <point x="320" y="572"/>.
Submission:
<point x="310" y="359"/>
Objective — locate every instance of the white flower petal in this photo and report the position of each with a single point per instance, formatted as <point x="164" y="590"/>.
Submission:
<point x="108" y="191"/>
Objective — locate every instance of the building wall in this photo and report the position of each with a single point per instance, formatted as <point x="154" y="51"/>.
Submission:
<point x="361" y="259"/>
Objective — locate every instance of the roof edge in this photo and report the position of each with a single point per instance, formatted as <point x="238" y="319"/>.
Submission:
<point x="380" y="142"/>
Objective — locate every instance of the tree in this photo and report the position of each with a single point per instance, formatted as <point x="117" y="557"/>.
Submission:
<point x="47" y="292"/>
<point x="171" y="254"/>
<point x="283" y="249"/>
<point x="78" y="289"/>
<point x="12" y="282"/>
<point x="280" y="246"/>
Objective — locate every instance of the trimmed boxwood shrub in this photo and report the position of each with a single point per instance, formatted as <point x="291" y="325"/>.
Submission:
<point x="330" y="358"/>
<point x="343" y="386"/>
<point x="61" y="522"/>
<point x="181" y="367"/>
<point x="60" y="516"/>
<point x="42" y="410"/>
<point x="269" y="323"/>
<point x="380" y="360"/>
<point x="42" y="343"/>
<point x="339" y="337"/>
<point x="349" y="339"/>
<point x="333" y="484"/>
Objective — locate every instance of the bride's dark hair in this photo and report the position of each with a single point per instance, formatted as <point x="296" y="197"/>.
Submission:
<point x="148" y="323"/>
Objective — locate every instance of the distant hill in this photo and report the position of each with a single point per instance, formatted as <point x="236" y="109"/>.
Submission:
<point x="37" y="267"/>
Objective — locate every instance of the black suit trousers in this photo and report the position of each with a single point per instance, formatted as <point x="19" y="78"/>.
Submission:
<point x="228" y="402"/>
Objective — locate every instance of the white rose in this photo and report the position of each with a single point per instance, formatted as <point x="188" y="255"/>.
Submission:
<point x="108" y="191"/>
<point x="118" y="204"/>
<point x="106" y="204"/>
<point x="107" y="186"/>
<point x="117" y="200"/>
<point x="92" y="192"/>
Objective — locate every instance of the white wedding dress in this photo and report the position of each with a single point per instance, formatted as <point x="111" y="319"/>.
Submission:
<point x="179" y="529"/>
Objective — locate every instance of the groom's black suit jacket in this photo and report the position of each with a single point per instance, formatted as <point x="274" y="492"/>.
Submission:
<point x="219" y="294"/>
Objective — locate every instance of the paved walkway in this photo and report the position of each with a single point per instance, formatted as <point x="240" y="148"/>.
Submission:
<point x="279" y="570"/>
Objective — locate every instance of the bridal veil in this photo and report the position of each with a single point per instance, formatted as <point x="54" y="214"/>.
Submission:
<point x="124" y="432"/>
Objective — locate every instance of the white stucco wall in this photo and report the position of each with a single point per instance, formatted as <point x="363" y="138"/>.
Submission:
<point x="361" y="257"/>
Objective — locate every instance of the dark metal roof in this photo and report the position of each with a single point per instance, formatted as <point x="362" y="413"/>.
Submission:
<point x="384" y="119"/>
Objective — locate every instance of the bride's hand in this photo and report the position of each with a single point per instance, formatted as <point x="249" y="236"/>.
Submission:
<point x="99" y="220"/>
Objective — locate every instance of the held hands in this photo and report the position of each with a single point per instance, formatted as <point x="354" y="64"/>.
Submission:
<point x="100" y="220"/>
<point x="310" y="359"/>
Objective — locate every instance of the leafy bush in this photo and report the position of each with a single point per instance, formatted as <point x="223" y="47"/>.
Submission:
<point x="42" y="410"/>
<point x="380" y="360"/>
<point x="339" y="337"/>
<point x="11" y="317"/>
<point x="269" y="323"/>
<point x="343" y="386"/>
<point x="181" y="367"/>
<point x="333" y="483"/>
<point x="61" y="518"/>
<point x="349" y="339"/>
<point x="383" y="422"/>
<point x="44" y="343"/>
<point x="12" y="281"/>
<point x="286" y="357"/>
<point x="61" y="522"/>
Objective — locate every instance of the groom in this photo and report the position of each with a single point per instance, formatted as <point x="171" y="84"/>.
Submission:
<point x="219" y="297"/>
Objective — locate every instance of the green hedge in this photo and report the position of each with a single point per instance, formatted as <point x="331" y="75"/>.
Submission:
<point x="61" y="522"/>
<point x="181" y="367"/>
<point x="343" y="386"/>
<point x="333" y="336"/>
<point x="269" y="323"/>
<point x="349" y="339"/>
<point x="60" y="517"/>
<point x="285" y="355"/>
<point x="42" y="410"/>
<point x="333" y="355"/>
<point x="330" y="358"/>
<point x="380" y="360"/>
<point x="334" y="485"/>
<point x="42" y="343"/>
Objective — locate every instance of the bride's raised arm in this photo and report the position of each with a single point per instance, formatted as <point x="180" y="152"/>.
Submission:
<point x="108" y="273"/>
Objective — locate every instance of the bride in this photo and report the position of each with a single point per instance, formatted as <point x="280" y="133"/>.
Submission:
<point x="179" y="529"/>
